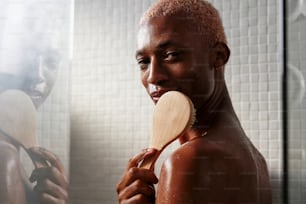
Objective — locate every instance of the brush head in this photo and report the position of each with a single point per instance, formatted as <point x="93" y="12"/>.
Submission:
<point x="173" y="114"/>
<point x="18" y="117"/>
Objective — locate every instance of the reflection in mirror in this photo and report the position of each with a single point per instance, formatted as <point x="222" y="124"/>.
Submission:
<point x="30" y="49"/>
<point x="34" y="54"/>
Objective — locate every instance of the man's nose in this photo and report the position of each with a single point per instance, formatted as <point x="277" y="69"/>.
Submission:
<point x="40" y="69"/>
<point x="157" y="73"/>
<point x="37" y="72"/>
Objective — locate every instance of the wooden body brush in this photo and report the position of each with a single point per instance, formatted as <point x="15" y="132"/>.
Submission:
<point x="18" y="119"/>
<point x="173" y="115"/>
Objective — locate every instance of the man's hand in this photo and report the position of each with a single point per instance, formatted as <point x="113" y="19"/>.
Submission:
<point x="136" y="185"/>
<point x="52" y="182"/>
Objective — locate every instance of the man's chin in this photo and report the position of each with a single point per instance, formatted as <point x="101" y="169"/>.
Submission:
<point x="38" y="100"/>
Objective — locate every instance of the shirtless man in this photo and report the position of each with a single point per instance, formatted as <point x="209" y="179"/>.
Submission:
<point x="182" y="46"/>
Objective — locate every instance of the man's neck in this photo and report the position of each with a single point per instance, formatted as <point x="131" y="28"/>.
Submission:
<point x="210" y="117"/>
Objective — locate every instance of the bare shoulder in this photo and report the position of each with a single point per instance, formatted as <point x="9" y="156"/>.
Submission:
<point x="203" y="169"/>
<point x="205" y="155"/>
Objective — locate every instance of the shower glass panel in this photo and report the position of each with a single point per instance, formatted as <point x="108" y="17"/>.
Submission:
<point x="35" y="57"/>
<point x="296" y="69"/>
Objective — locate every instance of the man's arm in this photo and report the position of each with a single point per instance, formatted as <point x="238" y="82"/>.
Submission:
<point x="11" y="182"/>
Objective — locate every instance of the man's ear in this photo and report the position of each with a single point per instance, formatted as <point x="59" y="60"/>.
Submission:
<point x="221" y="54"/>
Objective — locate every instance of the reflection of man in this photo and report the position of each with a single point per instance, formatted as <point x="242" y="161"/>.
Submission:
<point x="35" y="75"/>
<point x="182" y="46"/>
<point x="36" y="78"/>
<point x="37" y="81"/>
<point x="29" y="54"/>
<point x="29" y="63"/>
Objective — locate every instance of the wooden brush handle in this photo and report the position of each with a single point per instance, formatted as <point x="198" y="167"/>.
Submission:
<point x="36" y="161"/>
<point x="149" y="162"/>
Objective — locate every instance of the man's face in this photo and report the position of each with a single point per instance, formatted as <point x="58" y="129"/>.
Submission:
<point x="171" y="56"/>
<point x="34" y="73"/>
<point x="30" y="58"/>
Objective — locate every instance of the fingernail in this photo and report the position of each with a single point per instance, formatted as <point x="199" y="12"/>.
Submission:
<point x="151" y="150"/>
<point x="147" y="150"/>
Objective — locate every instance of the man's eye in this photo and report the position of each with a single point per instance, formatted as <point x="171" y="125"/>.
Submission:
<point x="51" y="64"/>
<point x="169" y="56"/>
<point x="143" y="63"/>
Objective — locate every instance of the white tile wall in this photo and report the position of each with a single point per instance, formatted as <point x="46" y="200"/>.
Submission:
<point x="111" y="112"/>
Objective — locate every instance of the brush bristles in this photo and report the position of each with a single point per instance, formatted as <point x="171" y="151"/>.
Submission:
<point x="192" y="118"/>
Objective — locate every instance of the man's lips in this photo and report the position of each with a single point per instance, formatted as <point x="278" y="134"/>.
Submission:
<point x="38" y="91"/>
<point x="155" y="95"/>
<point x="35" y="94"/>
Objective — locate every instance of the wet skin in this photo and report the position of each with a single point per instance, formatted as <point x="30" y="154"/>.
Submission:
<point x="221" y="167"/>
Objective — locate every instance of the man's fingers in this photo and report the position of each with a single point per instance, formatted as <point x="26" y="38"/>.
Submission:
<point x="51" y="173"/>
<point x="46" y="198"/>
<point x="135" y="173"/>
<point x="47" y="186"/>
<point x="137" y="187"/>
<point x="48" y="156"/>
<point x="138" y="199"/>
<point x="134" y="161"/>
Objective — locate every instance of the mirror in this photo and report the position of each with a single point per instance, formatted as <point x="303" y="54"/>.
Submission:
<point x="296" y="101"/>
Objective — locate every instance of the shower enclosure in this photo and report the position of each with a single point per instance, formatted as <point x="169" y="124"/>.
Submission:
<point x="296" y="100"/>
<point x="35" y="34"/>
